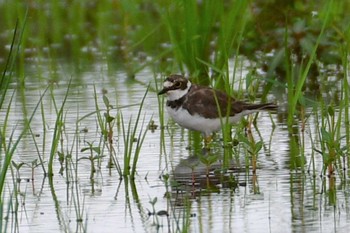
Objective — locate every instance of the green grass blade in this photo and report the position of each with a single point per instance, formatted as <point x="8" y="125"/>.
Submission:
<point x="57" y="132"/>
<point x="304" y="74"/>
<point x="12" y="147"/>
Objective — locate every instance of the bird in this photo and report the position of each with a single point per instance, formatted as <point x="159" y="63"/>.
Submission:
<point x="203" y="109"/>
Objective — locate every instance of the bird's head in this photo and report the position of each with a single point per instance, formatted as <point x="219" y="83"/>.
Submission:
<point x="175" y="86"/>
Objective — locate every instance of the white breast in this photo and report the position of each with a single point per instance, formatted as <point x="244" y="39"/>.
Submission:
<point x="194" y="122"/>
<point x="198" y="123"/>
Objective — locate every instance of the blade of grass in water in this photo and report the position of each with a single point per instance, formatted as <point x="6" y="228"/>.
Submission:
<point x="12" y="145"/>
<point x="295" y="90"/>
<point x="11" y="59"/>
<point x="10" y="148"/>
<point x="129" y="137"/>
<point x="345" y="101"/>
<point x="57" y="131"/>
<point x="191" y="35"/>
<point x="5" y="81"/>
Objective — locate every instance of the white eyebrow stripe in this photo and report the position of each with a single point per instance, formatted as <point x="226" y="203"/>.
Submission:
<point x="167" y="84"/>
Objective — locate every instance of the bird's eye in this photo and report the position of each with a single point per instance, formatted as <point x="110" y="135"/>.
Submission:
<point x="177" y="84"/>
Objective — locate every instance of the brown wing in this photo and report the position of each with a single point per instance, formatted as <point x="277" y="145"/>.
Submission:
<point x="201" y="100"/>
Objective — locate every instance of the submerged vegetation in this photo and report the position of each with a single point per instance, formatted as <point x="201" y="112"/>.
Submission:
<point x="292" y="52"/>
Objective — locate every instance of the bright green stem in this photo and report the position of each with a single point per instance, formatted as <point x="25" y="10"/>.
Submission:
<point x="57" y="132"/>
<point x="295" y="89"/>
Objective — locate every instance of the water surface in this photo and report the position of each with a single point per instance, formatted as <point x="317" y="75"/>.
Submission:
<point x="276" y="199"/>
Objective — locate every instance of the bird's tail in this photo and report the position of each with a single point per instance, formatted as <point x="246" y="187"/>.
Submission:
<point x="267" y="107"/>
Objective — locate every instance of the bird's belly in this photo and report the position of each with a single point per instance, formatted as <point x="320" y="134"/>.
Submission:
<point x="194" y="122"/>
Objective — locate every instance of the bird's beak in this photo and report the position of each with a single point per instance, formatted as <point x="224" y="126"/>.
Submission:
<point x="165" y="90"/>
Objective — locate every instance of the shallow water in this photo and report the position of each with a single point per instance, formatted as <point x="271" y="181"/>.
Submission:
<point x="276" y="199"/>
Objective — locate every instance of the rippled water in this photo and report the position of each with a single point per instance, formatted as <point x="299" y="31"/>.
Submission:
<point x="276" y="199"/>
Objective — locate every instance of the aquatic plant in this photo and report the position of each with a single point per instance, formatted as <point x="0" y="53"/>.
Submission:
<point x="252" y="147"/>
<point x="58" y="130"/>
<point x="208" y="160"/>
<point x="106" y="123"/>
<point x="332" y="150"/>
<point x="92" y="157"/>
<point x="199" y="31"/>
<point x="32" y="165"/>
<point x="7" y="148"/>
<point x="17" y="167"/>
<point x="132" y="141"/>
<point x="161" y="112"/>
<point x="295" y="86"/>
<point x="78" y="35"/>
<point x="107" y="131"/>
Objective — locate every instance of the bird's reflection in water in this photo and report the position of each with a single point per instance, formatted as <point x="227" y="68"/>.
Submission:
<point x="204" y="173"/>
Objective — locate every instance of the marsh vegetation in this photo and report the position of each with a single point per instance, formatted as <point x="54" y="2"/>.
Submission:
<point x="85" y="144"/>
